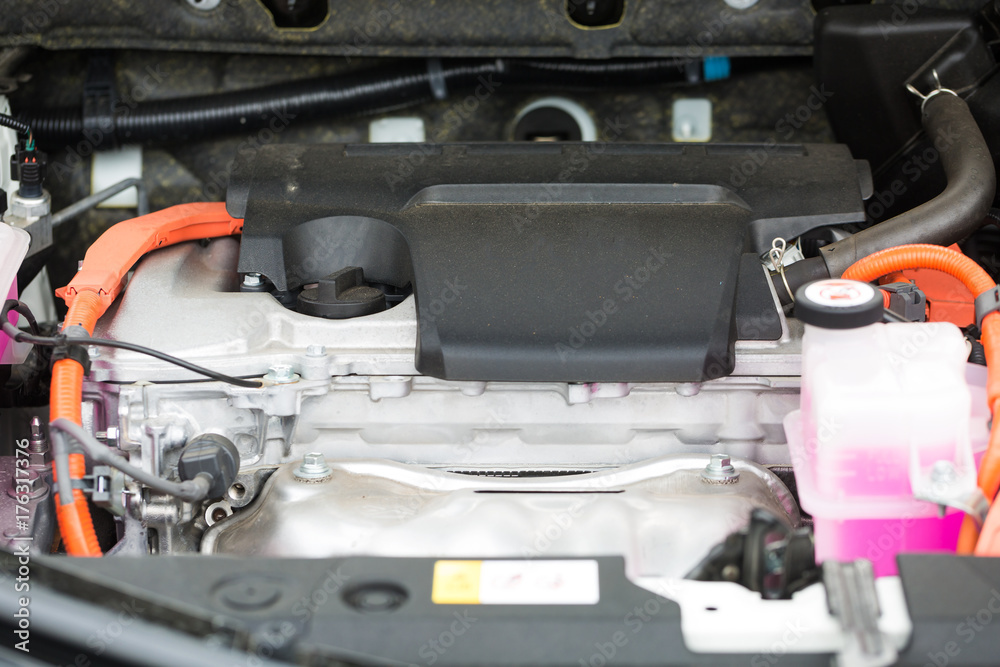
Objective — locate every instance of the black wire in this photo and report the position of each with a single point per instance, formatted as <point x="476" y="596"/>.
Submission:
<point x="21" y="308"/>
<point x="891" y="317"/>
<point x="56" y="341"/>
<point x="163" y="356"/>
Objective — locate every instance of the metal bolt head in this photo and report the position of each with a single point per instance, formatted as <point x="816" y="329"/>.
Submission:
<point x="943" y="472"/>
<point x="252" y="280"/>
<point x="720" y="470"/>
<point x="688" y="389"/>
<point x="313" y="467"/>
<point x="37" y="443"/>
<point x="32" y="481"/>
<point x="30" y="208"/>
<point x="281" y="374"/>
<point x="316" y="351"/>
<point x="720" y="462"/>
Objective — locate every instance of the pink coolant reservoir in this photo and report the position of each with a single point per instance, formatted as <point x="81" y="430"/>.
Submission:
<point x="882" y="440"/>
<point x="13" y="247"/>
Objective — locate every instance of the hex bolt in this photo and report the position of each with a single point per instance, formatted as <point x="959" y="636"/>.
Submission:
<point x="38" y="446"/>
<point x="37" y="443"/>
<point x="316" y="351"/>
<point x="281" y="374"/>
<point x="313" y="467"/>
<point x="252" y="280"/>
<point x="31" y="480"/>
<point x="943" y="472"/>
<point x="720" y="470"/>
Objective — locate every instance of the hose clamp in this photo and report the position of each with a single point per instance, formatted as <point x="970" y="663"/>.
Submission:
<point x="986" y="303"/>
<point x="924" y="99"/>
<point x="77" y="353"/>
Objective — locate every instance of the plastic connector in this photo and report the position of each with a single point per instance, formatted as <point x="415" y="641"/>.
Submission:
<point x="213" y="455"/>
<point x="907" y="300"/>
<point x="986" y="303"/>
<point x="28" y="168"/>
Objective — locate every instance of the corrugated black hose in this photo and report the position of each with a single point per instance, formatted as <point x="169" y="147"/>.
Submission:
<point x="358" y="93"/>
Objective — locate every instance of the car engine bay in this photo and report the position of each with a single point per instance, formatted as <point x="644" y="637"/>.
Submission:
<point x="582" y="301"/>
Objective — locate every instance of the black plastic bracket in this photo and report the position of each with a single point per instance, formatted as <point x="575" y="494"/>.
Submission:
<point x="99" y="96"/>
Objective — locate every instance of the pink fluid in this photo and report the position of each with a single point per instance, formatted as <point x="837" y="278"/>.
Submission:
<point x="880" y="540"/>
<point x="871" y="470"/>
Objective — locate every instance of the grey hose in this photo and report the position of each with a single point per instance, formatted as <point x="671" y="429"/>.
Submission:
<point x="87" y="203"/>
<point x="60" y="454"/>
<point x="951" y="216"/>
<point x="191" y="490"/>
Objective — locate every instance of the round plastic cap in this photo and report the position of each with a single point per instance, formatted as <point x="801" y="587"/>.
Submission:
<point x="838" y="304"/>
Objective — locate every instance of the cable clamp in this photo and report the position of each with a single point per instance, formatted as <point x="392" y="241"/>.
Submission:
<point x="435" y="76"/>
<point x="986" y="303"/>
<point x="77" y="353"/>
<point x="777" y="256"/>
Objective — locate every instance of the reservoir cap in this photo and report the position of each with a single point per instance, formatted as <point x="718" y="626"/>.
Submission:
<point x="838" y="304"/>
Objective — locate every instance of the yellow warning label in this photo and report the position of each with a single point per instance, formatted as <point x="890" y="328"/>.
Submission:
<point x="456" y="581"/>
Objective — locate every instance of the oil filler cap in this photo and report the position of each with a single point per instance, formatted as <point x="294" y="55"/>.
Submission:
<point x="838" y="304"/>
<point x="342" y="295"/>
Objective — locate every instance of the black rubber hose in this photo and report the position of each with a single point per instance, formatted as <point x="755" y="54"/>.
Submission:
<point x="948" y="218"/>
<point x="358" y="93"/>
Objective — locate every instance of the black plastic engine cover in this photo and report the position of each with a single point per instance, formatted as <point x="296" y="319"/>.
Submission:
<point x="534" y="262"/>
